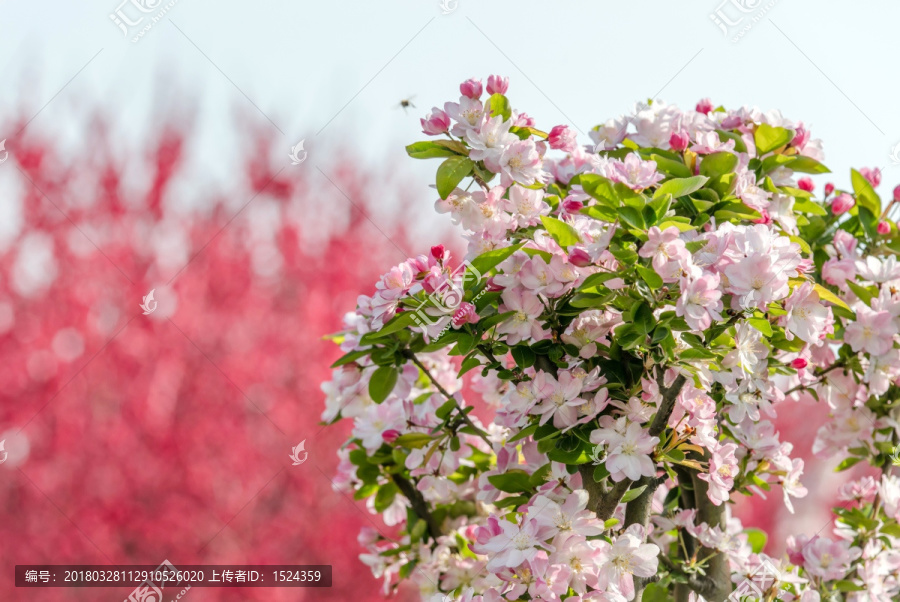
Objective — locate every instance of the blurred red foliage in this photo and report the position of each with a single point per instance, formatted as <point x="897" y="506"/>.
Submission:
<point x="167" y="436"/>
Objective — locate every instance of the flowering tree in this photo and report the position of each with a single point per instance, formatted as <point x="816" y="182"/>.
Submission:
<point x="634" y="311"/>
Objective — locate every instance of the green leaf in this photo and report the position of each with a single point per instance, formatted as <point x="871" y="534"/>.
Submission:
<point x="653" y="280"/>
<point x="600" y="188"/>
<point x="768" y="138"/>
<point x="847" y="463"/>
<point x="632" y="217"/>
<point x="807" y="206"/>
<point x="428" y="149"/>
<point x="673" y="168"/>
<point x="827" y="295"/>
<point x="468" y="363"/>
<point x="762" y="325"/>
<point x="757" y="539"/>
<point x="564" y="234"/>
<point x="499" y="105"/>
<point x="655" y="592"/>
<point x="525" y="432"/>
<point x="349" y="357"/>
<point x="717" y="164"/>
<point x="869" y="222"/>
<point x="680" y="187"/>
<point x="491" y="259"/>
<point x="632" y="494"/>
<point x="862" y="292"/>
<point x="523" y="355"/>
<point x="644" y="322"/>
<point x="382" y="383"/>
<point x="848" y="586"/>
<point x="512" y="481"/>
<point x="865" y="194"/>
<point x="395" y="324"/>
<point x="807" y="165"/>
<point x="451" y="172"/>
<point x="385" y="496"/>
<point x="414" y="440"/>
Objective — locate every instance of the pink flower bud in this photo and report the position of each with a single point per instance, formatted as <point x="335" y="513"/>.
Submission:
<point x="465" y="314"/>
<point x="806" y="184"/>
<point x="829" y="188"/>
<point x="562" y="138"/>
<point x="471" y="88"/>
<point x="884" y="228"/>
<point x="799" y="363"/>
<point x="497" y="84"/>
<point x="872" y="175"/>
<point x="580" y="258"/>
<point x="390" y="435"/>
<point x="436" y="123"/>
<point x="572" y="205"/>
<point x="679" y="141"/>
<point x="897" y="194"/>
<point x="704" y="106"/>
<point x="764" y="218"/>
<point x="438" y="251"/>
<point x="842" y="203"/>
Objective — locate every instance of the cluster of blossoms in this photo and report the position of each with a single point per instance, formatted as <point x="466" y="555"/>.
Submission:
<point x="635" y="311"/>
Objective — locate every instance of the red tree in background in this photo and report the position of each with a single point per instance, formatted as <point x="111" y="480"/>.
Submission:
<point x="136" y="438"/>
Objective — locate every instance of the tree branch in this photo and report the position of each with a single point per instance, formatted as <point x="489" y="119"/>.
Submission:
<point x="459" y="410"/>
<point x="715" y="585"/>
<point x="418" y="503"/>
<point x="669" y="395"/>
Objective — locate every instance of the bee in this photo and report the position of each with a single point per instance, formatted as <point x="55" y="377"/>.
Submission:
<point x="407" y="103"/>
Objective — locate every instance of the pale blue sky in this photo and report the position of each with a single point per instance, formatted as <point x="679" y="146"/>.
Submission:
<point x="296" y="67"/>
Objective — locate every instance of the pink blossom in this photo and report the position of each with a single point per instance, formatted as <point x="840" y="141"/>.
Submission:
<point x="490" y="140"/>
<point x="465" y="314"/>
<point x="799" y="363"/>
<point x="626" y="557"/>
<point x="897" y="194"/>
<point x="872" y="332"/>
<point x="700" y="301"/>
<point x="436" y="123"/>
<point x="520" y="163"/>
<point x="884" y="228"/>
<point x="523" y="324"/>
<point x="635" y="173"/>
<point x="709" y="142"/>
<point x="829" y="188"/>
<point x="629" y="452"/>
<point x="497" y="84"/>
<point x="806" y="184"/>
<point x="806" y="318"/>
<point x="828" y="559"/>
<point x="757" y="280"/>
<point x="579" y="257"/>
<point x="723" y="467"/>
<point x="679" y="141"/>
<point x="572" y="516"/>
<point x="662" y="246"/>
<point x="704" y="106"/>
<point x="514" y="544"/>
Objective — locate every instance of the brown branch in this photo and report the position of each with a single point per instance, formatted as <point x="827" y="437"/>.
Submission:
<point x="715" y="585"/>
<point x="419" y="505"/>
<point x="669" y="395"/>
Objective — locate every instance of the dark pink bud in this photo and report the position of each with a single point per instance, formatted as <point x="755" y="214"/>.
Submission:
<point x="465" y="314"/>
<point x="497" y="84"/>
<point x="562" y="138"/>
<point x="765" y="218"/>
<point x="799" y="363"/>
<point x="679" y="141"/>
<point x="580" y="258"/>
<point x="884" y="228"/>
<point x="829" y="188"/>
<point x="704" y="106"/>
<point x="806" y="184"/>
<point x="842" y="203"/>
<point x="572" y="205"/>
<point x="897" y="194"/>
<point x="471" y="88"/>
<point x="390" y="435"/>
<point x="438" y="251"/>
